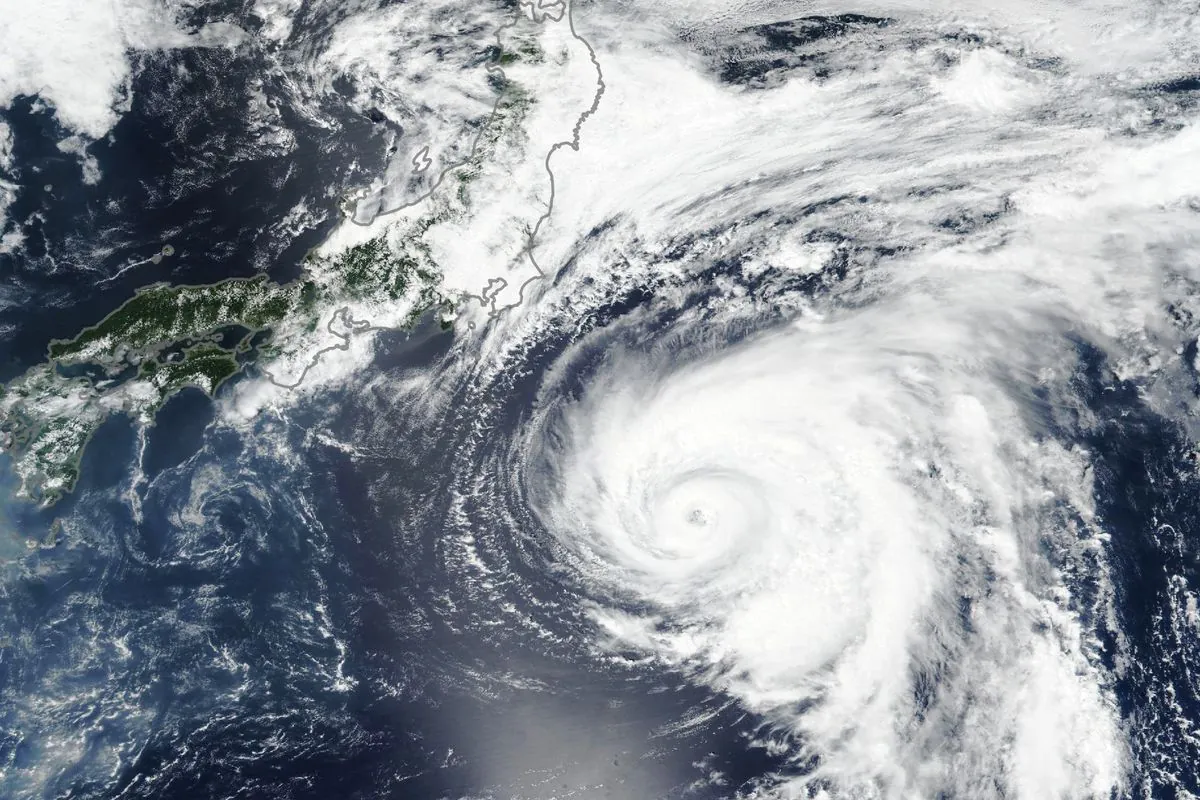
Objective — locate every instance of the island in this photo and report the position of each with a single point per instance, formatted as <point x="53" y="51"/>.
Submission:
<point x="167" y="338"/>
<point x="469" y="237"/>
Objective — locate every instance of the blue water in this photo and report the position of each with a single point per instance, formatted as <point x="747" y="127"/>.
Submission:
<point x="269" y="617"/>
<point x="183" y="168"/>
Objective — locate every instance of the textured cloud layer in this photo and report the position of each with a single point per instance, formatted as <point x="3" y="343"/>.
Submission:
<point x="76" y="56"/>
<point x="858" y="522"/>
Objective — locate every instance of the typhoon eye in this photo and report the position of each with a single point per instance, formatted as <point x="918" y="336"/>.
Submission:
<point x="681" y="399"/>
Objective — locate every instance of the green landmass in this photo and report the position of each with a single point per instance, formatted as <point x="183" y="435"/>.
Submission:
<point x="167" y="338"/>
<point x="47" y="421"/>
<point x="164" y="313"/>
<point x="529" y="52"/>
<point x="205" y="366"/>
<point x="372" y="266"/>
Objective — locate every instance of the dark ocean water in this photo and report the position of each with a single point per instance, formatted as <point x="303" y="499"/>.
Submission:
<point x="187" y="166"/>
<point x="264" y="630"/>
<point x="272" y="617"/>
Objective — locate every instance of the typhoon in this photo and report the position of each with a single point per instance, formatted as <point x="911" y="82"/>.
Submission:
<point x="845" y="307"/>
<point x="812" y="414"/>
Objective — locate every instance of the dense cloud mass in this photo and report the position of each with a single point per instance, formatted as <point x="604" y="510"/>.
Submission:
<point x="841" y="465"/>
<point x="816" y="419"/>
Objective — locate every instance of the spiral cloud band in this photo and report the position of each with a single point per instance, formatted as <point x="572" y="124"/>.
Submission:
<point x="680" y="400"/>
<point x="810" y="407"/>
<point x="822" y="522"/>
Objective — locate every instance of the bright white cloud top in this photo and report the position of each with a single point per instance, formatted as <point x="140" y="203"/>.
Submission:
<point x="776" y="350"/>
<point x="75" y="55"/>
<point x="861" y="523"/>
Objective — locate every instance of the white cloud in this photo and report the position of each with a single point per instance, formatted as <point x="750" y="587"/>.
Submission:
<point x="75" y="53"/>
<point x="277" y="17"/>
<point x="6" y="143"/>
<point x="77" y="146"/>
<point x="8" y="192"/>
